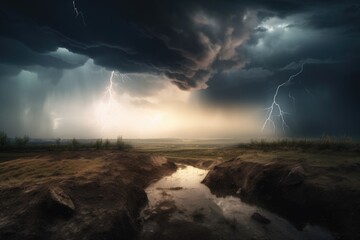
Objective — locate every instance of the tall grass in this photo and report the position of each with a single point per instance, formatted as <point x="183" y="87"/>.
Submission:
<point x="23" y="144"/>
<point x="324" y="143"/>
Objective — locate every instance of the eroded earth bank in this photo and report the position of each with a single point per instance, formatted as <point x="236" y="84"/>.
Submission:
<point x="76" y="195"/>
<point x="256" y="195"/>
<point x="303" y="191"/>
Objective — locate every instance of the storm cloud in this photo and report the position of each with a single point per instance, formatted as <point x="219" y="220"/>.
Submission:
<point x="187" y="40"/>
<point x="234" y="52"/>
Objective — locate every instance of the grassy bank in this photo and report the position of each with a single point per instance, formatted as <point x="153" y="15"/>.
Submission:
<point x="324" y="143"/>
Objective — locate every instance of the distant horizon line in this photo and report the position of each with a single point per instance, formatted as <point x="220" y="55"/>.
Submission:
<point x="199" y="138"/>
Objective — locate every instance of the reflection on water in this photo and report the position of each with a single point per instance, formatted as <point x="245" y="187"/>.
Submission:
<point x="181" y="196"/>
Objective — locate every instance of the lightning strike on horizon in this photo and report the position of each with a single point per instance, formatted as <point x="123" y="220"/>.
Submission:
<point x="110" y="106"/>
<point x="275" y="105"/>
<point x="109" y="90"/>
<point x="77" y="12"/>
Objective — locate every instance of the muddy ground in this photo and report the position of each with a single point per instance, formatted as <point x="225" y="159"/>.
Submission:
<point x="76" y="195"/>
<point x="302" y="191"/>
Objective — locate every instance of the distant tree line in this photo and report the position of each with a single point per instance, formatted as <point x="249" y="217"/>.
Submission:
<point x="326" y="142"/>
<point x="19" y="141"/>
<point x="3" y="139"/>
<point x="59" y="144"/>
<point x="106" y="144"/>
<point x="99" y="143"/>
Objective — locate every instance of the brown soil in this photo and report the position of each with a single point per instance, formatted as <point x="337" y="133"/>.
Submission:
<point x="106" y="188"/>
<point x="296" y="190"/>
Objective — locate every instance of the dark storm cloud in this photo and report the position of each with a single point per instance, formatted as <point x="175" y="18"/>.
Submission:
<point x="31" y="98"/>
<point x="346" y="17"/>
<point x="329" y="103"/>
<point x="244" y="87"/>
<point x="188" y="40"/>
<point x="8" y="70"/>
<point x="327" y="94"/>
<point x="241" y="49"/>
<point x="16" y="53"/>
<point x="140" y="84"/>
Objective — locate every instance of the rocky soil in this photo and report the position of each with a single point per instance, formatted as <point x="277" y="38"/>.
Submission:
<point x="101" y="202"/>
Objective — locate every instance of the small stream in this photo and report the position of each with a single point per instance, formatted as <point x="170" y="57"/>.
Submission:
<point x="181" y="207"/>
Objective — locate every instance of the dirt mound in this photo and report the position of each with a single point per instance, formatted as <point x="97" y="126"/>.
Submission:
<point x="292" y="191"/>
<point x="101" y="203"/>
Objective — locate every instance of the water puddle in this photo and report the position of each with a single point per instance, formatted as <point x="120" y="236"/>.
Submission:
<point x="180" y="207"/>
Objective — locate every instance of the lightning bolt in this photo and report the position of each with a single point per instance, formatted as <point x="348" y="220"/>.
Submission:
<point x="109" y="110"/>
<point x="109" y="105"/>
<point x="110" y="91"/>
<point x="275" y="106"/>
<point x="77" y="13"/>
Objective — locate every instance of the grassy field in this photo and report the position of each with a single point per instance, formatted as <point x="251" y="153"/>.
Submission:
<point x="99" y="173"/>
<point x="340" y="159"/>
<point x="32" y="171"/>
<point x="327" y="162"/>
<point x="324" y="152"/>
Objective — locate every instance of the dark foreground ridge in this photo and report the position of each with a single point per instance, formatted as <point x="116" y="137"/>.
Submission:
<point x="76" y="195"/>
<point x="301" y="192"/>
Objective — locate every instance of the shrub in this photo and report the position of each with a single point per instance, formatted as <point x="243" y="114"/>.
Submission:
<point x="324" y="143"/>
<point x="107" y="143"/>
<point x="98" y="143"/>
<point x="121" y="145"/>
<point x="22" y="141"/>
<point x="3" y="139"/>
<point x="119" y="142"/>
<point x="75" y="143"/>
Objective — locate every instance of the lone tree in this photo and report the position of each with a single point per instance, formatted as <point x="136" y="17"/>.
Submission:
<point x="3" y="138"/>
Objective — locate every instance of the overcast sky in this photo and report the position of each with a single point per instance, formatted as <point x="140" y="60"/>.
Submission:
<point x="181" y="68"/>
